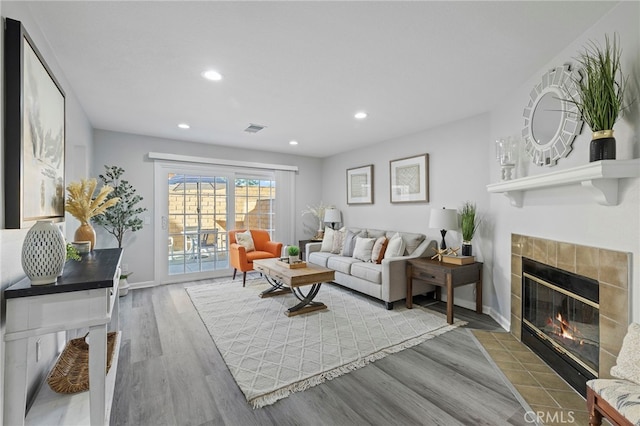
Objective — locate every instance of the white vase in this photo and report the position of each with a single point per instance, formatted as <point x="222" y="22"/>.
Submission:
<point x="43" y="253"/>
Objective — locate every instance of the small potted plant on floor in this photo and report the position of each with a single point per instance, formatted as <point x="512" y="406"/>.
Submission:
<point x="294" y="254"/>
<point x="468" y="224"/>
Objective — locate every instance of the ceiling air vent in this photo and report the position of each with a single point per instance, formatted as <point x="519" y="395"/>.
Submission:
<point x="254" y="128"/>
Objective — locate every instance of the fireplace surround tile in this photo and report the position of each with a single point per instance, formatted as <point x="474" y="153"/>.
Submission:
<point x="610" y="267"/>
<point x="587" y="262"/>
<point x="539" y="253"/>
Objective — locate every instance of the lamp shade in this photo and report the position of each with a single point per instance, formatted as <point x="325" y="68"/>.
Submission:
<point x="444" y="219"/>
<point x="332" y="216"/>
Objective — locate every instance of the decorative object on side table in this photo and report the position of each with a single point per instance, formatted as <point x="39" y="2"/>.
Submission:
<point x="444" y="220"/>
<point x="507" y="156"/>
<point x="468" y="225"/>
<point x="600" y="95"/>
<point x="123" y="216"/>
<point x="332" y="216"/>
<point x="43" y="253"/>
<point x="360" y="185"/>
<point x="410" y="179"/>
<point x="83" y="206"/>
<point x="317" y="211"/>
<point x="72" y="252"/>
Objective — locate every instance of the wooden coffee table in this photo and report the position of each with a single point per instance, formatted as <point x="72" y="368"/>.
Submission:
<point x="285" y="280"/>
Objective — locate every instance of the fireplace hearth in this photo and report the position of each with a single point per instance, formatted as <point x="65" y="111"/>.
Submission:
<point x="560" y="321"/>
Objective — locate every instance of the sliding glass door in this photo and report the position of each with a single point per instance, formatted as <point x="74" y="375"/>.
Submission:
<point x="197" y="208"/>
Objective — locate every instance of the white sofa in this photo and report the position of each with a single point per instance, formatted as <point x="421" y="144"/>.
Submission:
<point x="386" y="281"/>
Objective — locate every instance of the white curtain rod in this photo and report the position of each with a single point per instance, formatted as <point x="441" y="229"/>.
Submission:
<point x="203" y="160"/>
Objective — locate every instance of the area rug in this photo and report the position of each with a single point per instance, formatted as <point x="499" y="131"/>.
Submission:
<point x="271" y="355"/>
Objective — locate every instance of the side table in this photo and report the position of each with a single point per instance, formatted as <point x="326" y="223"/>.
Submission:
<point x="444" y="275"/>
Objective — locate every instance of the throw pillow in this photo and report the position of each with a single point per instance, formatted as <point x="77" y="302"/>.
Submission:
<point x="628" y="363"/>
<point x="327" y="240"/>
<point x="338" y="241"/>
<point x="379" y="248"/>
<point x="362" y="249"/>
<point x="395" y="247"/>
<point x="349" y="243"/>
<point x="246" y="240"/>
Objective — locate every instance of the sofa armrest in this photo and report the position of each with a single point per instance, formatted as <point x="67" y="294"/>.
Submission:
<point x="310" y="248"/>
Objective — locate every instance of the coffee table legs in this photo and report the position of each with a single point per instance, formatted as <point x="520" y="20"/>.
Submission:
<point x="306" y="301"/>
<point x="276" y="289"/>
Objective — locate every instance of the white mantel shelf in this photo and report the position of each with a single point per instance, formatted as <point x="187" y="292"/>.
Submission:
<point x="599" y="177"/>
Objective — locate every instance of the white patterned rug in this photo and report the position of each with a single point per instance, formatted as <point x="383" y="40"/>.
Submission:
<point x="271" y="355"/>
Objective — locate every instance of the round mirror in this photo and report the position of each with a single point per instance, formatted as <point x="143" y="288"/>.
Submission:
<point x="551" y="122"/>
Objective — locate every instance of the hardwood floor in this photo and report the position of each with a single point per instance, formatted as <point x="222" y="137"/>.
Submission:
<point x="170" y="373"/>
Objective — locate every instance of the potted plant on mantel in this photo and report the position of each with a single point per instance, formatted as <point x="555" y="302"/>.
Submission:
<point x="600" y="95"/>
<point x="468" y="224"/>
<point x="123" y="217"/>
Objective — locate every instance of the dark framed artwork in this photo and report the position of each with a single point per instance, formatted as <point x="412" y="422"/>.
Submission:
<point x="34" y="133"/>
<point x="360" y="185"/>
<point x="410" y="179"/>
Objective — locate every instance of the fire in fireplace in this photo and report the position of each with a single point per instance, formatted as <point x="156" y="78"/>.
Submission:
<point x="560" y="321"/>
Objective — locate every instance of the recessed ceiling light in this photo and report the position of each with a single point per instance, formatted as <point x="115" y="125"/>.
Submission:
<point x="360" y="115"/>
<point x="293" y="142"/>
<point x="184" y="126"/>
<point x="212" y="75"/>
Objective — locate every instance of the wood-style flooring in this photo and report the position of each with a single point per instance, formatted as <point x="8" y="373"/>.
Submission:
<point x="170" y="373"/>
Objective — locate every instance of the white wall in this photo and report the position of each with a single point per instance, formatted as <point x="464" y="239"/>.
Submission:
<point x="568" y="213"/>
<point x="457" y="173"/>
<point x="130" y="152"/>
<point x="78" y="140"/>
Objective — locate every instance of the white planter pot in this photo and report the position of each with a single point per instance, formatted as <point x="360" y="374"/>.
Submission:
<point x="43" y="253"/>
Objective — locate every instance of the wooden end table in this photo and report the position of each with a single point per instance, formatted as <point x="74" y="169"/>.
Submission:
<point x="444" y="275"/>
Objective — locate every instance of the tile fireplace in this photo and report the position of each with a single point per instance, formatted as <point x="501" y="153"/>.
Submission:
<point x="570" y="304"/>
<point x="560" y="321"/>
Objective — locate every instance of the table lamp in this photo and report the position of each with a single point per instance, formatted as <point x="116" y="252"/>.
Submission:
<point x="443" y="219"/>
<point x="332" y="216"/>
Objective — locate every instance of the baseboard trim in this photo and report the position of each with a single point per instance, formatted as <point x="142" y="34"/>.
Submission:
<point x="143" y="284"/>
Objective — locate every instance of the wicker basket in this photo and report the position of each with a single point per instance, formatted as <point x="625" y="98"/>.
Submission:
<point x="71" y="372"/>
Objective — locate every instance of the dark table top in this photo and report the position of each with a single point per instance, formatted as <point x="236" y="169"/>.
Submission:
<point x="95" y="270"/>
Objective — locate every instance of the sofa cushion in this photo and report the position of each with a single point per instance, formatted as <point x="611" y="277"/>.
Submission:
<point x="622" y="395"/>
<point x="341" y="263"/>
<point x="350" y="242"/>
<point x="338" y="241"/>
<point x="395" y="246"/>
<point x="246" y="240"/>
<point x="411" y="241"/>
<point x="320" y="258"/>
<point x="628" y="363"/>
<point x="363" y="248"/>
<point x="327" y="240"/>
<point x="379" y="248"/>
<point x="367" y="271"/>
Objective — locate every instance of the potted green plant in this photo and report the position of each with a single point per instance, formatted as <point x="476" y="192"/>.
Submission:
<point x="122" y="217"/>
<point x="72" y="253"/>
<point x="469" y="224"/>
<point x="294" y="254"/>
<point x="600" y="95"/>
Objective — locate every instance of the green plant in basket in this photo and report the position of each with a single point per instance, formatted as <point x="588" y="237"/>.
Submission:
<point x="293" y="250"/>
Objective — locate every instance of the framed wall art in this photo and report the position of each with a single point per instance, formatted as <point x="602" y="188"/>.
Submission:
<point x="360" y="185"/>
<point x="410" y="179"/>
<point x="34" y="133"/>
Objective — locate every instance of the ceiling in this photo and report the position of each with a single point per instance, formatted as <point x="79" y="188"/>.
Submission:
<point x="302" y="69"/>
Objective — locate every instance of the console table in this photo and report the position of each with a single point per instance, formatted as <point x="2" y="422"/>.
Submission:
<point x="444" y="275"/>
<point x="85" y="296"/>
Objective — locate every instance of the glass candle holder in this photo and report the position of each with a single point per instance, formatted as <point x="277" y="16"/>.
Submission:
<point x="507" y="156"/>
